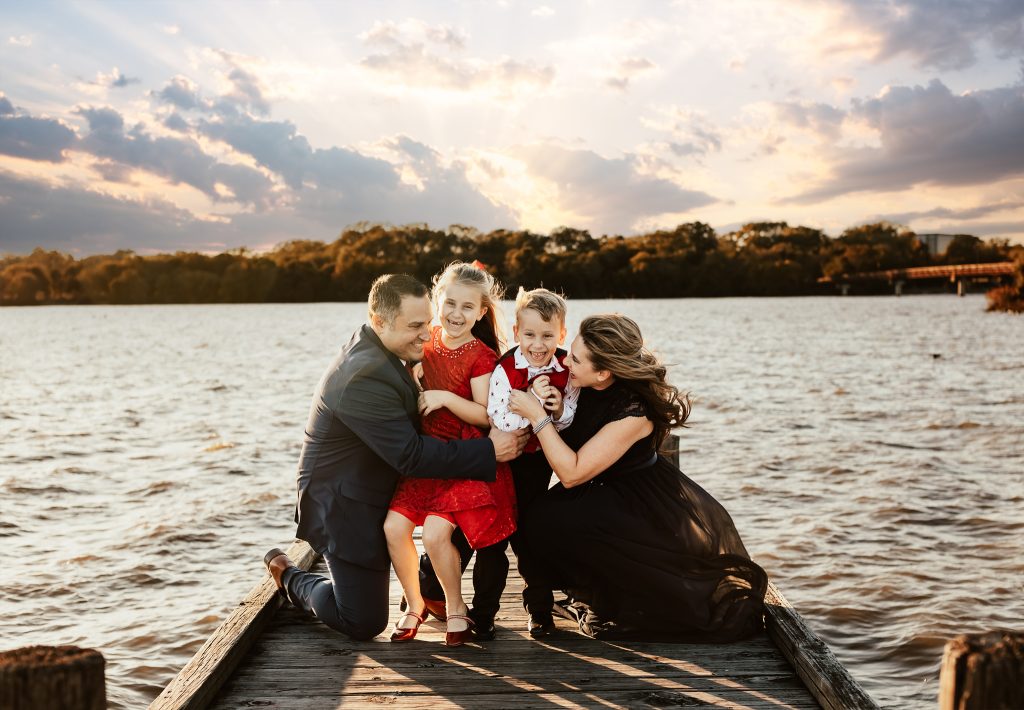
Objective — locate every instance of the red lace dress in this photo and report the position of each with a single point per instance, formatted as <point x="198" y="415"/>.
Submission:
<point x="486" y="512"/>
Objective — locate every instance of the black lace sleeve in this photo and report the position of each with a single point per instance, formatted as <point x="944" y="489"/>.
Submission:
<point x="627" y="404"/>
<point x="596" y="408"/>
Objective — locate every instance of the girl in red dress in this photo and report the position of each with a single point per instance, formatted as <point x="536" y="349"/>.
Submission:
<point x="457" y="366"/>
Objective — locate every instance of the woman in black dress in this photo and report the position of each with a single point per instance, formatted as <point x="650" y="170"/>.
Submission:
<point x="636" y="545"/>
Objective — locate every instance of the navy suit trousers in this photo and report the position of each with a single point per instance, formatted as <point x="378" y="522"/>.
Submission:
<point x="354" y="600"/>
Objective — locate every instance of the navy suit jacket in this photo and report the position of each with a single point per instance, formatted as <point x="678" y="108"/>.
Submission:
<point x="362" y="434"/>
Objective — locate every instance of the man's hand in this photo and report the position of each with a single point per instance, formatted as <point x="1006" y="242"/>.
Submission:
<point x="508" y="444"/>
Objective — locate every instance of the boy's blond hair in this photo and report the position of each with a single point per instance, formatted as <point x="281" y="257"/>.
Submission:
<point x="548" y="303"/>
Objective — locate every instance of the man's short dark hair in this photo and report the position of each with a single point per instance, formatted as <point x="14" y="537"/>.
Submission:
<point x="387" y="292"/>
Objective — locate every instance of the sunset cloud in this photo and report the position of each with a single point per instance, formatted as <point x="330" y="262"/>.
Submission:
<point x="417" y="55"/>
<point x="819" y="119"/>
<point x="78" y="220"/>
<point x="310" y="116"/>
<point x="930" y="135"/>
<point x="609" y="195"/>
<point x="938" y="34"/>
<point x="343" y="184"/>
<point x="44" y="139"/>
<point x="627" y="70"/>
<point x="398" y="34"/>
<point x="182" y="93"/>
<point x="690" y="133"/>
<point x="177" y="160"/>
<point x="1003" y="217"/>
<point x="115" y="79"/>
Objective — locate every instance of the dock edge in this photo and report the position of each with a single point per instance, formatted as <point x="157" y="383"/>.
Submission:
<point x="825" y="677"/>
<point x="198" y="683"/>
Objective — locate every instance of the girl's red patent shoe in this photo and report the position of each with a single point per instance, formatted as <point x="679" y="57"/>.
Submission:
<point x="457" y="638"/>
<point x="399" y="634"/>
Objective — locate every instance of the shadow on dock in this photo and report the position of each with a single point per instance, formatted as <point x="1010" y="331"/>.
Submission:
<point x="297" y="662"/>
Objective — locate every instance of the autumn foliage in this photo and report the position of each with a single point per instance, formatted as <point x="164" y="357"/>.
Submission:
<point x="1010" y="298"/>
<point x="691" y="260"/>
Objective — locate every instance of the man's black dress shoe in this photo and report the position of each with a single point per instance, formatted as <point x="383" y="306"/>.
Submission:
<point x="540" y="624"/>
<point x="267" y="559"/>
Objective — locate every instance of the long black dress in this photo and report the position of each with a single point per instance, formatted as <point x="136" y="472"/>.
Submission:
<point x="641" y="547"/>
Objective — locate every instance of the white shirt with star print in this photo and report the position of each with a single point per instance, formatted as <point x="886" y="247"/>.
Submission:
<point x="500" y="394"/>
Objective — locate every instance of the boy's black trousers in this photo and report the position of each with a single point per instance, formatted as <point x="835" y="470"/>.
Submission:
<point x="531" y="474"/>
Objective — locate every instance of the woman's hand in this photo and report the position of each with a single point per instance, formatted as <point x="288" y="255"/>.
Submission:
<point x="525" y="404"/>
<point x="431" y="400"/>
<point x="417" y="375"/>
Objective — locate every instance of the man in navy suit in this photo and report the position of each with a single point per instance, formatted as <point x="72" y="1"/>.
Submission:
<point x="362" y="434"/>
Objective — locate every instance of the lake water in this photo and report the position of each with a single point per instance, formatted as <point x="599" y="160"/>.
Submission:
<point x="871" y="451"/>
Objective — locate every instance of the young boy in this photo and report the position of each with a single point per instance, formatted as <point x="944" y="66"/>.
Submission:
<point x="536" y="363"/>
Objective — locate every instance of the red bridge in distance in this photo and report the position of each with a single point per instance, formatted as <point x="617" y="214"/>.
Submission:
<point x="955" y="273"/>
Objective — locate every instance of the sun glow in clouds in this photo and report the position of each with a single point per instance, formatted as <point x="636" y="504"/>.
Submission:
<point x="599" y="117"/>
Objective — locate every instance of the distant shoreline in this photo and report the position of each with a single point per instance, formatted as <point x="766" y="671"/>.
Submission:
<point x="689" y="261"/>
<point x="931" y="292"/>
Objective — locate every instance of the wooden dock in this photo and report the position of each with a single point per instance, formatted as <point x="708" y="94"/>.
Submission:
<point x="259" y="658"/>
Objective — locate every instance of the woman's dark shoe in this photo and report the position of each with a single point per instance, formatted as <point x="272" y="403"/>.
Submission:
<point x="434" y="608"/>
<point x="277" y="571"/>
<point x="540" y="624"/>
<point x="595" y="627"/>
<point x="565" y="608"/>
<point x="400" y="635"/>
<point x="458" y="638"/>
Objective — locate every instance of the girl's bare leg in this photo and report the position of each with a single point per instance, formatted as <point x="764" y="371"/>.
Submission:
<point x="437" y="539"/>
<point x="398" y="531"/>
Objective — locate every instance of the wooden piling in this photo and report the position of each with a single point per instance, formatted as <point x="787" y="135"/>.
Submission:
<point x="983" y="672"/>
<point x="52" y="678"/>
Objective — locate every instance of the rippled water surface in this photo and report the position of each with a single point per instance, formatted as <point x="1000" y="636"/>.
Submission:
<point x="871" y="452"/>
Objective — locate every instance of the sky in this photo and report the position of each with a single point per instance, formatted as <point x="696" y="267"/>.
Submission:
<point x="160" y="127"/>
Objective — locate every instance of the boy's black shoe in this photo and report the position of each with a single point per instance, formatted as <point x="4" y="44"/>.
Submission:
<point x="540" y="624"/>
<point x="484" y="629"/>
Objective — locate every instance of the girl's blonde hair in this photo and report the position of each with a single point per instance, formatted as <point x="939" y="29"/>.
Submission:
<point x="616" y="344"/>
<point x="490" y="328"/>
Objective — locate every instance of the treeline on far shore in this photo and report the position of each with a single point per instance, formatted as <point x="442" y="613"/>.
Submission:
<point x="691" y="260"/>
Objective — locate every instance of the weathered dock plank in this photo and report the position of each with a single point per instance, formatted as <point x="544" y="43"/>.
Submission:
<point x="822" y="673"/>
<point x="292" y="661"/>
<point x="299" y="663"/>
<point x="616" y="699"/>
<point x="197" y="683"/>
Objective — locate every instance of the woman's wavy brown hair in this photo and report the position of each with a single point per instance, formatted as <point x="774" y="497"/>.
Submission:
<point x="617" y="345"/>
